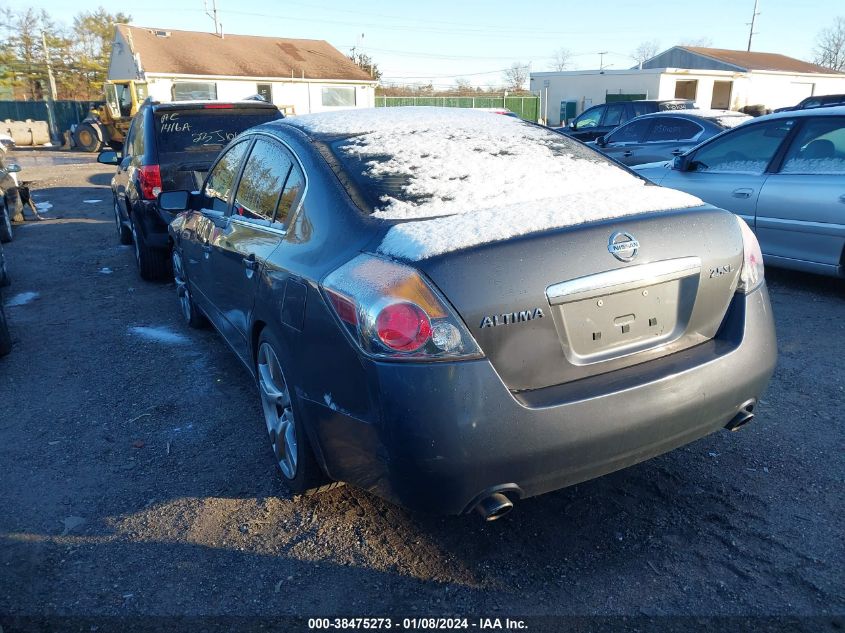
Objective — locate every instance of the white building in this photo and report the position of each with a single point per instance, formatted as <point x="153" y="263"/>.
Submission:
<point x="302" y="76"/>
<point x="713" y="77"/>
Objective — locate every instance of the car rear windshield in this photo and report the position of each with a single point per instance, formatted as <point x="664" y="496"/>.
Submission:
<point x="382" y="178"/>
<point x="205" y="131"/>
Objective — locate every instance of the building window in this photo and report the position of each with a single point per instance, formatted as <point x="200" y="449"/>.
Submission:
<point x="338" y="96"/>
<point x="686" y="88"/>
<point x="265" y="91"/>
<point x="191" y="90"/>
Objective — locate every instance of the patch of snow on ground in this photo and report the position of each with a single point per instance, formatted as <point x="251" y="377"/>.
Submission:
<point x="22" y="299"/>
<point x="105" y="271"/>
<point x="497" y="177"/>
<point x="159" y="335"/>
<point x="91" y="201"/>
<point x="43" y="206"/>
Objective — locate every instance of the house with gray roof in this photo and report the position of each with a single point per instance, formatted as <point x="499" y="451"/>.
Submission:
<point x="712" y="77"/>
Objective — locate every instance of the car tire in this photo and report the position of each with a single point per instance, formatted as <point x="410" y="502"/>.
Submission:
<point x="124" y="233"/>
<point x="153" y="264"/>
<point x="6" y="234"/>
<point x="4" y="273"/>
<point x="5" y="337"/>
<point x="86" y="138"/>
<point x="190" y="312"/>
<point x="285" y="424"/>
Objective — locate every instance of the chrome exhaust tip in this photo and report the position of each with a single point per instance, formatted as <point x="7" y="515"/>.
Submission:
<point x="743" y="417"/>
<point x="494" y="506"/>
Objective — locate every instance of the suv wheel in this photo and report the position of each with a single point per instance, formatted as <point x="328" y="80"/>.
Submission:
<point x="153" y="265"/>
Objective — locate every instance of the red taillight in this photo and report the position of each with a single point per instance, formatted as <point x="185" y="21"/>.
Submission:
<point x="149" y="178"/>
<point x="403" y="327"/>
<point x="217" y="106"/>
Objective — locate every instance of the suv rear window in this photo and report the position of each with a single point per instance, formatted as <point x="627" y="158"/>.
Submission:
<point x="206" y="130"/>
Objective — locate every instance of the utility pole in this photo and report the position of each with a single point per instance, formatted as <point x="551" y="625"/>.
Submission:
<point x="218" y="28"/>
<point x="751" y="32"/>
<point x="601" y="59"/>
<point x="51" y="92"/>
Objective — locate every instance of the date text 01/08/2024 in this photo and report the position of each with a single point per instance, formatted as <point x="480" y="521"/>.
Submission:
<point x="430" y="624"/>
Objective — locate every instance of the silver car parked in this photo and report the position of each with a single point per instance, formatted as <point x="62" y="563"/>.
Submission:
<point x="784" y="174"/>
<point x="664" y="135"/>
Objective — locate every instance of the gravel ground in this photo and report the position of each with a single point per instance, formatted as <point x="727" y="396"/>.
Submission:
<point x="137" y="479"/>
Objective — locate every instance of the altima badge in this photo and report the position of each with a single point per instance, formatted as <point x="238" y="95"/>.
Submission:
<point x="623" y="246"/>
<point x="509" y="318"/>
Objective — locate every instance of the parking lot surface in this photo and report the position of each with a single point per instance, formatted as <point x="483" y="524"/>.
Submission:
<point x="137" y="477"/>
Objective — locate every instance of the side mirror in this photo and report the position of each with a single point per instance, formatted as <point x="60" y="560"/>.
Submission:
<point x="681" y="163"/>
<point x="601" y="141"/>
<point x="573" y="124"/>
<point x="174" y="201"/>
<point x="12" y="168"/>
<point x="108" y="157"/>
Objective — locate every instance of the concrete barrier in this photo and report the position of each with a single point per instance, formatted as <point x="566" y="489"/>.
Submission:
<point x="27" y="132"/>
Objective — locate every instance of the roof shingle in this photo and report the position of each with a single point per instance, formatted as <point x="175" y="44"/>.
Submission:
<point x="195" y="53"/>
<point x="759" y="61"/>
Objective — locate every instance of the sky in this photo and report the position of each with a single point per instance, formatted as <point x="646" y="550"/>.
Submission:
<point x="441" y="40"/>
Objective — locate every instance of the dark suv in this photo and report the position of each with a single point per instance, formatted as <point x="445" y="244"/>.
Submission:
<point x="601" y="119"/>
<point x="170" y="146"/>
<point x="821" y="101"/>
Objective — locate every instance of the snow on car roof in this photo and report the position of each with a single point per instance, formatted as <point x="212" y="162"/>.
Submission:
<point x="492" y="177"/>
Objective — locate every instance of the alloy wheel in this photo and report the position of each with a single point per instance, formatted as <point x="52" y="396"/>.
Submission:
<point x="278" y="412"/>
<point x="182" y="290"/>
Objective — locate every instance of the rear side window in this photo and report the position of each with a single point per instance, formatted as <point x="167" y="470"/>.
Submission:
<point x="615" y="114"/>
<point x="672" y="129"/>
<point x="218" y="185"/>
<point x="205" y="131"/>
<point x="819" y="148"/>
<point x="746" y="150"/>
<point x="292" y="193"/>
<point x="262" y="182"/>
<point x="630" y="133"/>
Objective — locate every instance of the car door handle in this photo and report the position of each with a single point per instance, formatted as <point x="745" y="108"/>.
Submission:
<point x="627" y="153"/>
<point x="742" y="193"/>
<point x="249" y="262"/>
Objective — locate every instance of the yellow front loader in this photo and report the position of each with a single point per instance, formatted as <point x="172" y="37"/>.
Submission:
<point x="108" y="124"/>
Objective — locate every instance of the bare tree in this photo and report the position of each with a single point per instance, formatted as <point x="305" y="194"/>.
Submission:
<point x="830" y="46"/>
<point x="463" y="85"/>
<point x="562" y="59"/>
<point x="516" y="76"/>
<point x="701" y="42"/>
<point x="646" y="51"/>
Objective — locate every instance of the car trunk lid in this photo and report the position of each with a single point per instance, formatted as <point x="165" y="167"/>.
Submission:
<point x="563" y="305"/>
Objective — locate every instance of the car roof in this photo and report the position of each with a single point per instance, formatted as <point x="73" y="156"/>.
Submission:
<point x="203" y="103"/>
<point x="708" y="115"/>
<point x="827" y="111"/>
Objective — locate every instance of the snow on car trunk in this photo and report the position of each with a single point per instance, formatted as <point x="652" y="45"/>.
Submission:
<point x="450" y="179"/>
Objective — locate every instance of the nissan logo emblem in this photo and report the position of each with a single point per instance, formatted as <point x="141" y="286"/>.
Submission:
<point x="623" y="246"/>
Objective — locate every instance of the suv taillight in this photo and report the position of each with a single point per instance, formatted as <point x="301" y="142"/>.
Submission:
<point x="391" y="312"/>
<point x="149" y="179"/>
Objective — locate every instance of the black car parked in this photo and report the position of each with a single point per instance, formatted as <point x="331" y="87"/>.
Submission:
<point x="601" y="119"/>
<point x="170" y="146"/>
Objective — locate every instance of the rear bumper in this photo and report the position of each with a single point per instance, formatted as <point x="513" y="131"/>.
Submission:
<point x="447" y="432"/>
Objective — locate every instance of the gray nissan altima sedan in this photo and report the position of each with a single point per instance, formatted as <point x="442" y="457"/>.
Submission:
<point x="455" y="310"/>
